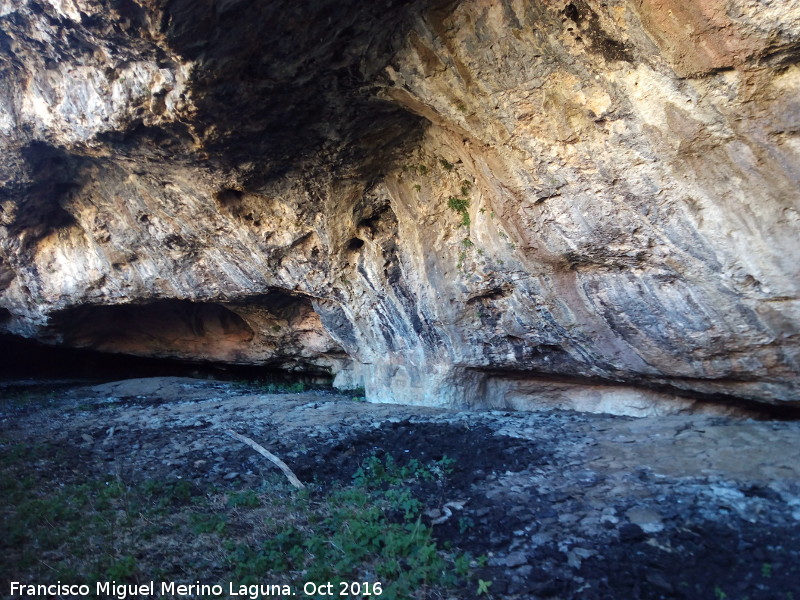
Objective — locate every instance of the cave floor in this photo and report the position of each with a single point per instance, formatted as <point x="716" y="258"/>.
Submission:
<point x="550" y="504"/>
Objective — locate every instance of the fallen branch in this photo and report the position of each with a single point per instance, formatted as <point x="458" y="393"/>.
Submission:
<point x="268" y="455"/>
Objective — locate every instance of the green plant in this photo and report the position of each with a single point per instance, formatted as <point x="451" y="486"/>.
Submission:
<point x="82" y="522"/>
<point x="719" y="594"/>
<point x="88" y="528"/>
<point x="460" y="206"/>
<point x="274" y="388"/>
<point x="207" y="523"/>
<point x="123" y="569"/>
<point x="385" y="472"/>
<point x="462" y="256"/>
<point x="416" y="169"/>
<point x="166" y="494"/>
<point x="446" y="164"/>
<point x="417" y="187"/>
<point x="244" y="499"/>
<point x="372" y="525"/>
<point x="766" y="570"/>
<point x="483" y="587"/>
<point x="465" y="524"/>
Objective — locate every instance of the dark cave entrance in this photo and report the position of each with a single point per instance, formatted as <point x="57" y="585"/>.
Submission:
<point x="28" y="360"/>
<point x="276" y="337"/>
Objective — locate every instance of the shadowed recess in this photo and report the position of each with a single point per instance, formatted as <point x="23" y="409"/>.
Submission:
<point x="166" y="328"/>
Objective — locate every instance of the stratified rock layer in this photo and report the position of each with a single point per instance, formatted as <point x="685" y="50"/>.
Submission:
<point x="503" y="203"/>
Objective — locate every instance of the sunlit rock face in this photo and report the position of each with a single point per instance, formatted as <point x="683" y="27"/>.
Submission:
<point x="498" y="203"/>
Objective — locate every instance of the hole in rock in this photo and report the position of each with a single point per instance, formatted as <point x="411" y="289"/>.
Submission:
<point x="355" y="243"/>
<point x="571" y="11"/>
<point x="227" y="198"/>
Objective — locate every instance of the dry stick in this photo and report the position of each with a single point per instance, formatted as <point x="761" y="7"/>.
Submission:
<point x="268" y="455"/>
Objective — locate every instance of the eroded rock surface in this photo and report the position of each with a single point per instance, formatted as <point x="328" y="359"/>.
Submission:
<point x="496" y="203"/>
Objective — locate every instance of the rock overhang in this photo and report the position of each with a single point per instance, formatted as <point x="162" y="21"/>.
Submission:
<point x="538" y="191"/>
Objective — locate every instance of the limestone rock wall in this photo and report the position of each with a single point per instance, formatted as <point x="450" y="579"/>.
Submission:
<point x="481" y="202"/>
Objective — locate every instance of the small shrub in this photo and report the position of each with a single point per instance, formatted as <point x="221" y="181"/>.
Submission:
<point x="123" y="569"/>
<point x="207" y="523"/>
<point x="462" y="256"/>
<point x="373" y="525"/>
<point x="245" y="499"/>
<point x="162" y="495"/>
<point x="460" y="206"/>
<point x="371" y="529"/>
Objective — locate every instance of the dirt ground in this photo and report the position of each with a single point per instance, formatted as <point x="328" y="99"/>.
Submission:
<point x="558" y="504"/>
